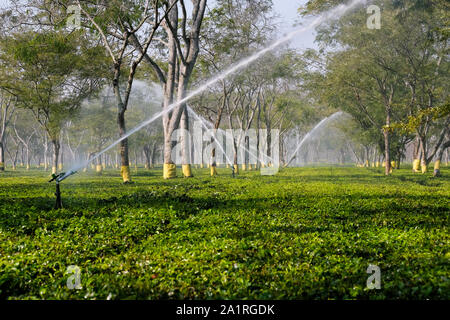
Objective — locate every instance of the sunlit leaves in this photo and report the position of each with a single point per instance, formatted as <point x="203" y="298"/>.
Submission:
<point x="303" y="234"/>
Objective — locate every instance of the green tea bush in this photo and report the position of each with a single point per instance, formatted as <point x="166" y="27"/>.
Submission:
<point x="306" y="233"/>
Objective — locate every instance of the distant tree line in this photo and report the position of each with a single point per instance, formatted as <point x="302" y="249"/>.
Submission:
<point x="71" y="75"/>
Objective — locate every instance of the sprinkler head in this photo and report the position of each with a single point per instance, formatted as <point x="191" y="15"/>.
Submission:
<point x="62" y="176"/>
<point x="58" y="178"/>
<point x="55" y="176"/>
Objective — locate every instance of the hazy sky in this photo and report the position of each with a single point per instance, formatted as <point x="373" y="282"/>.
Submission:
<point x="288" y="12"/>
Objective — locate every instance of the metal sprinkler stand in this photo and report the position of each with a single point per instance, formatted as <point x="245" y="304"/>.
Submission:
<point x="58" y="178"/>
<point x="58" y="204"/>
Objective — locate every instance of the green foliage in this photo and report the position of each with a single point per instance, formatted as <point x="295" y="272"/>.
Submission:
<point x="380" y="76"/>
<point x="51" y="73"/>
<point x="306" y="233"/>
<point x="414" y="122"/>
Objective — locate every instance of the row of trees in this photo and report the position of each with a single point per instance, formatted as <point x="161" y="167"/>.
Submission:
<point x="69" y="71"/>
<point x="392" y="80"/>
<point x="50" y="68"/>
<point x="26" y="142"/>
<point x="59" y="72"/>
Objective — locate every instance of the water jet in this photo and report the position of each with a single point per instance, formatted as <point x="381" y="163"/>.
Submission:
<point x="310" y="133"/>
<point x="334" y="13"/>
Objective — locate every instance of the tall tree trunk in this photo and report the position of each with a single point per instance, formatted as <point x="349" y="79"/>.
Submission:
<point x="147" y="156"/>
<point x="46" y="153"/>
<point x="61" y="159"/>
<point x="246" y="151"/>
<point x="216" y="127"/>
<point x="2" y="156"/>
<point x="5" y="117"/>
<point x="169" y="89"/>
<point x="269" y="143"/>
<point x="416" y="148"/>
<point x="22" y="155"/>
<point x="187" y="56"/>
<point x="235" y="157"/>
<point x="15" y="158"/>
<point x="213" y="162"/>
<point x="258" y="138"/>
<point x="437" y="168"/>
<point x="183" y="80"/>
<point x="99" y="165"/>
<point x="28" y="158"/>
<point x="387" y="143"/>
<point x="185" y="143"/>
<point x="123" y="147"/>
<point x="55" y="159"/>
<point x="387" y="147"/>
<point x="416" y="156"/>
<point x="366" y="162"/>
<point x="424" y="152"/>
<point x="153" y="154"/>
<point x="235" y="148"/>
<point x="121" y="109"/>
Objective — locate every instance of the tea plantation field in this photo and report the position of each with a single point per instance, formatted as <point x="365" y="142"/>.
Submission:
<point x="306" y="233"/>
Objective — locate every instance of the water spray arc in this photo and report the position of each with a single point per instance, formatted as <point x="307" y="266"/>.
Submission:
<point x="329" y="15"/>
<point x="214" y="137"/>
<point x="310" y="133"/>
<point x="227" y="134"/>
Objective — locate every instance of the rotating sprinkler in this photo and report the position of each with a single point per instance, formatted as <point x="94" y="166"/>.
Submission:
<point x="58" y="178"/>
